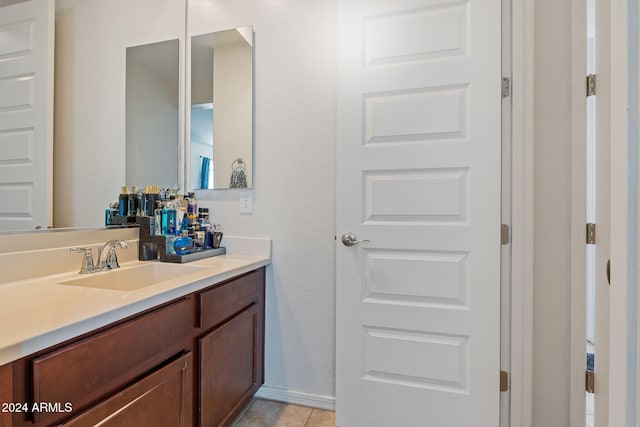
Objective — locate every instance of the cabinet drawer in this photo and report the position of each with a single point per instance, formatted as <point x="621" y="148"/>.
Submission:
<point x="162" y="398"/>
<point x="227" y="299"/>
<point x="87" y="370"/>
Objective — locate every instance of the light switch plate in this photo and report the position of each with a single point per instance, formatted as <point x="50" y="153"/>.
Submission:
<point x="246" y="205"/>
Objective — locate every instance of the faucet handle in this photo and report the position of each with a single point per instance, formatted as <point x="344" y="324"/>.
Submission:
<point x="112" y="258"/>
<point x="87" y="260"/>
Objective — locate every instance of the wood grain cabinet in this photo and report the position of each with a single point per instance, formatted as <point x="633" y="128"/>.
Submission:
<point x="232" y="352"/>
<point x="195" y="361"/>
<point x="162" y="398"/>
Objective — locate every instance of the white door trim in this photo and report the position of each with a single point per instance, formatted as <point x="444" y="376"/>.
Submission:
<point x="623" y="403"/>
<point x="522" y="54"/>
<point x="577" y="270"/>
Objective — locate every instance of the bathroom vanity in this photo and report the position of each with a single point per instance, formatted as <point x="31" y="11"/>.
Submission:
<point x="188" y="351"/>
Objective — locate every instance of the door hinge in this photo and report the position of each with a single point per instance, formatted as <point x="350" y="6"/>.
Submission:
<point x="591" y="234"/>
<point x="590" y="381"/>
<point x="504" y="234"/>
<point x="504" y="381"/>
<point x="506" y="87"/>
<point x="591" y="84"/>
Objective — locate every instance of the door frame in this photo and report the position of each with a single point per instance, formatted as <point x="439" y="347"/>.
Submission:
<point x="522" y="209"/>
<point x="624" y="380"/>
<point x="577" y="269"/>
<point x="624" y="406"/>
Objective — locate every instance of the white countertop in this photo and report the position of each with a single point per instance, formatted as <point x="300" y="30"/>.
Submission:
<point x="38" y="313"/>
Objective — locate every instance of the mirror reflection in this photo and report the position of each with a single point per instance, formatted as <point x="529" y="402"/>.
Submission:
<point x="105" y="137"/>
<point x="152" y="109"/>
<point x="221" y="135"/>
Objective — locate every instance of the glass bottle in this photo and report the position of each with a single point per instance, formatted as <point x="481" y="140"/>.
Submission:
<point x="216" y="236"/>
<point x="183" y="244"/>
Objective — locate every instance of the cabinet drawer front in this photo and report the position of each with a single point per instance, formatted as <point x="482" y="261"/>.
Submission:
<point x="224" y="301"/>
<point x="159" y="399"/>
<point x="85" y="371"/>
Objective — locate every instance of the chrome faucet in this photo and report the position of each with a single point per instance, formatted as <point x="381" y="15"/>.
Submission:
<point x="110" y="260"/>
<point x="107" y="257"/>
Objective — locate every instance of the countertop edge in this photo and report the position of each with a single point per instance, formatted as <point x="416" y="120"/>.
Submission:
<point x="16" y="351"/>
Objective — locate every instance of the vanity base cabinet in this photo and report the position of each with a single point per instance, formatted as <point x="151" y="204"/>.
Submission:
<point x="162" y="398"/>
<point x="6" y="392"/>
<point x="230" y="368"/>
<point x="77" y="376"/>
<point x="196" y="360"/>
<point x="231" y="353"/>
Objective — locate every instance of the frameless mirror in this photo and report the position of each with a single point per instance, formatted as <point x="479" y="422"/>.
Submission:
<point x="221" y="135"/>
<point x="152" y="114"/>
<point x="91" y="127"/>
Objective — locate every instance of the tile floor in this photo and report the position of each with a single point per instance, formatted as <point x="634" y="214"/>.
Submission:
<point x="268" y="413"/>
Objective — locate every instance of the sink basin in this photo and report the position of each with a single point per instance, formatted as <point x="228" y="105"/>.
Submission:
<point x="133" y="278"/>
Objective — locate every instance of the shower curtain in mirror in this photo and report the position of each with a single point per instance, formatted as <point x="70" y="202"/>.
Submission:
<point x="204" y="173"/>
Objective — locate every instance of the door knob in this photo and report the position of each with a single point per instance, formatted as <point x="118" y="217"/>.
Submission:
<point x="350" y="239"/>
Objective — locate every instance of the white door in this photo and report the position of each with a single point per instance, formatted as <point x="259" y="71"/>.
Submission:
<point x="418" y="307"/>
<point x="26" y="114"/>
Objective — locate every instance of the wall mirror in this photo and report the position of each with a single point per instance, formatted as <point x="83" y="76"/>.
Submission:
<point x="92" y="158"/>
<point x="152" y="114"/>
<point x="221" y="113"/>
<point x="96" y="43"/>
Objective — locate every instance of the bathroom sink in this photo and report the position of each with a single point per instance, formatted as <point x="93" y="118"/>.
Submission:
<point x="130" y="279"/>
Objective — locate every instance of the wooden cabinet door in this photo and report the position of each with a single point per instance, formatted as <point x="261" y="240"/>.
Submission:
<point x="6" y="393"/>
<point x="163" y="398"/>
<point x="230" y="367"/>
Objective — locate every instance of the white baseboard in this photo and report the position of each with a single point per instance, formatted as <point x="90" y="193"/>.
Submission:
<point x="297" y="398"/>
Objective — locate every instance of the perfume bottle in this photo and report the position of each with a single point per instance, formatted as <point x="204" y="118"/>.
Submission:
<point x="183" y="245"/>
<point x="216" y="237"/>
<point x="199" y="240"/>
<point x="171" y="249"/>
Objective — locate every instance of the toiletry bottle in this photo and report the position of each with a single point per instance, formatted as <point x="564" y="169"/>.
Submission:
<point x="205" y="225"/>
<point x="199" y="240"/>
<point x="181" y="206"/>
<point x="183" y="244"/>
<point x="171" y="250"/>
<point x="133" y="201"/>
<point x="172" y="215"/>
<point x="216" y="236"/>
<point x="192" y="210"/>
<point x="153" y="199"/>
<point x="161" y="219"/>
<point x="203" y="217"/>
<point x="144" y="206"/>
<point x="208" y="236"/>
<point x="108" y="214"/>
<point x="123" y="202"/>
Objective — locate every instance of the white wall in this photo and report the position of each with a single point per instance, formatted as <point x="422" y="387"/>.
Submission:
<point x="294" y="188"/>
